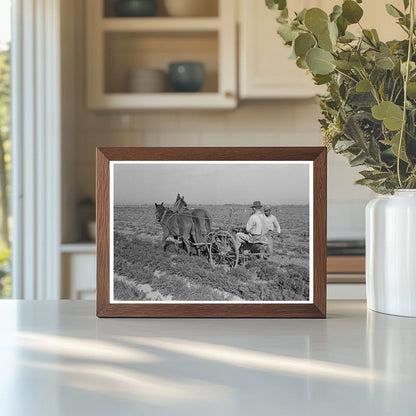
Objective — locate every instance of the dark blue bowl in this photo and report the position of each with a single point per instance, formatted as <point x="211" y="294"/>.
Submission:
<point x="186" y="76"/>
<point x="135" y="8"/>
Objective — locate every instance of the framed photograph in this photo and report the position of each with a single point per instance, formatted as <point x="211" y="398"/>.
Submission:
<point x="211" y="232"/>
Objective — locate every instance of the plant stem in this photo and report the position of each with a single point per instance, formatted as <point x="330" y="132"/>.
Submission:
<point x="406" y="80"/>
<point x="346" y="75"/>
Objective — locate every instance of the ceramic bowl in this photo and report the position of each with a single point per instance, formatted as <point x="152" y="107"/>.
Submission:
<point x="135" y="8"/>
<point x="147" y="80"/>
<point x="186" y="76"/>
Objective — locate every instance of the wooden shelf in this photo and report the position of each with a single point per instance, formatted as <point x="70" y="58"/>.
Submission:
<point x="127" y="101"/>
<point x="346" y="264"/>
<point x="160" y="24"/>
<point x="87" y="247"/>
<point x="346" y="269"/>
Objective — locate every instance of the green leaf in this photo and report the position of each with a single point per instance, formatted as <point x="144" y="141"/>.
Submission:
<point x="343" y="145"/>
<point x="287" y="33"/>
<point x="316" y="20"/>
<point x="388" y="112"/>
<point x="358" y="160"/>
<point x="303" y="43"/>
<point x="276" y="4"/>
<point x="412" y="67"/>
<point x="363" y="86"/>
<point x="325" y="42"/>
<point x="336" y="12"/>
<point x="347" y="37"/>
<point x="375" y="35"/>
<point x="351" y="11"/>
<point x="394" y="145"/>
<point x="368" y="36"/>
<point x="374" y="150"/>
<point x="393" y="11"/>
<point x="344" y="65"/>
<point x="354" y="132"/>
<point x="358" y="61"/>
<point x="321" y="79"/>
<point x="411" y="90"/>
<point x="319" y="61"/>
<point x="301" y="15"/>
<point x="384" y="62"/>
<point x="333" y="32"/>
<point x="374" y="174"/>
<point x="342" y="25"/>
<point x="362" y="99"/>
<point x="365" y="182"/>
<point x="301" y="63"/>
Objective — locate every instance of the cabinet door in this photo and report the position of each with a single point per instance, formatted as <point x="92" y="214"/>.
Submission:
<point x="78" y="276"/>
<point x="265" y="68"/>
<point x="376" y="17"/>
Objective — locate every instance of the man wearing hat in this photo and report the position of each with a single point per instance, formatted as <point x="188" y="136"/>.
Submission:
<point x="256" y="227"/>
<point x="272" y="225"/>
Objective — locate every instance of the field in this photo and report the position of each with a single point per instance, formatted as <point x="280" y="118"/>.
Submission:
<point x="142" y="271"/>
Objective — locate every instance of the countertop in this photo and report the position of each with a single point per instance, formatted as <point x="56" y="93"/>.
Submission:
<point x="57" y="358"/>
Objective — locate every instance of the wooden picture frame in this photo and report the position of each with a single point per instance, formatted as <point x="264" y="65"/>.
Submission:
<point x="112" y="186"/>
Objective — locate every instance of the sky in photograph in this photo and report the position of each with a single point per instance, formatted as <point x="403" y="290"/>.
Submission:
<point x="274" y="184"/>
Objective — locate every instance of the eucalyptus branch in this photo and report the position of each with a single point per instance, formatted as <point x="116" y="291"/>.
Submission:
<point x="406" y="80"/>
<point x="392" y="91"/>
<point x="346" y="75"/>
<point x="373" y="88"/>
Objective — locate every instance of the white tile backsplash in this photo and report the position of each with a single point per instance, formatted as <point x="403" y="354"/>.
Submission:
<point x="346" y="219"/>
<point x="258" y="123"/>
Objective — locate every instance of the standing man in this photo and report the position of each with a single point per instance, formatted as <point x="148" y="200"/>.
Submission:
<point x="272" y="225"/>
<point x="256" y="227"/>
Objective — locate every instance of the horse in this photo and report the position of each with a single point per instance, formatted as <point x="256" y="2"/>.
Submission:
<point x="176" y="225"/>
<point x="200" y="217"/>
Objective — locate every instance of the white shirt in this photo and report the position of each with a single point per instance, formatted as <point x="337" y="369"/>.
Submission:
<point x="272" y="223"/>
<point x="256" y="225"/>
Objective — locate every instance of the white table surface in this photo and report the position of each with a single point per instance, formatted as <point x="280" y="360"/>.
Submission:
<point x="57" y="358"/>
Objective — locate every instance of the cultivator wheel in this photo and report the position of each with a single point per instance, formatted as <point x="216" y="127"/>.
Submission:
<point x="223" y="249"/>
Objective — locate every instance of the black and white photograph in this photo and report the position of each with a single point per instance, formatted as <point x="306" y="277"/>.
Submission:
<point x="211" y="232"/>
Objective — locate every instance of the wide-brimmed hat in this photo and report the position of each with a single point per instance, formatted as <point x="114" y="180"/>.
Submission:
<point x="256" y="204"/>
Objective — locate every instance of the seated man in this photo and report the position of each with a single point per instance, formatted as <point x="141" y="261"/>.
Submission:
<point x="272" y="225"/>
<point x="256" y="227"/>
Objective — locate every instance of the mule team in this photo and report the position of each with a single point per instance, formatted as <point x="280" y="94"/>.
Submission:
<point x="193" y="225"/>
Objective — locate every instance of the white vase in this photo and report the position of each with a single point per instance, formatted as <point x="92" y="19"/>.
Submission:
<point x="391" y="253"/>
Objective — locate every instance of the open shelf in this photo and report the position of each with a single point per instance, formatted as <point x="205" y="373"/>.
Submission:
<point x="160" y="24"/>
<point x="87" y="247"/>
<point x="119" y="45"/>
<point x="210" y="9"/>
<point x="167" y="100"/>
<point x="127" y="51"/>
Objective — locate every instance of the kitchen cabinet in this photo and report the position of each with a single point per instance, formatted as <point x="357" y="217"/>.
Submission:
<point x="78" y="271"/>
<point x="346" y="279"/>
<point x="118" y="45"/>
<point x="265" y="70"/>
